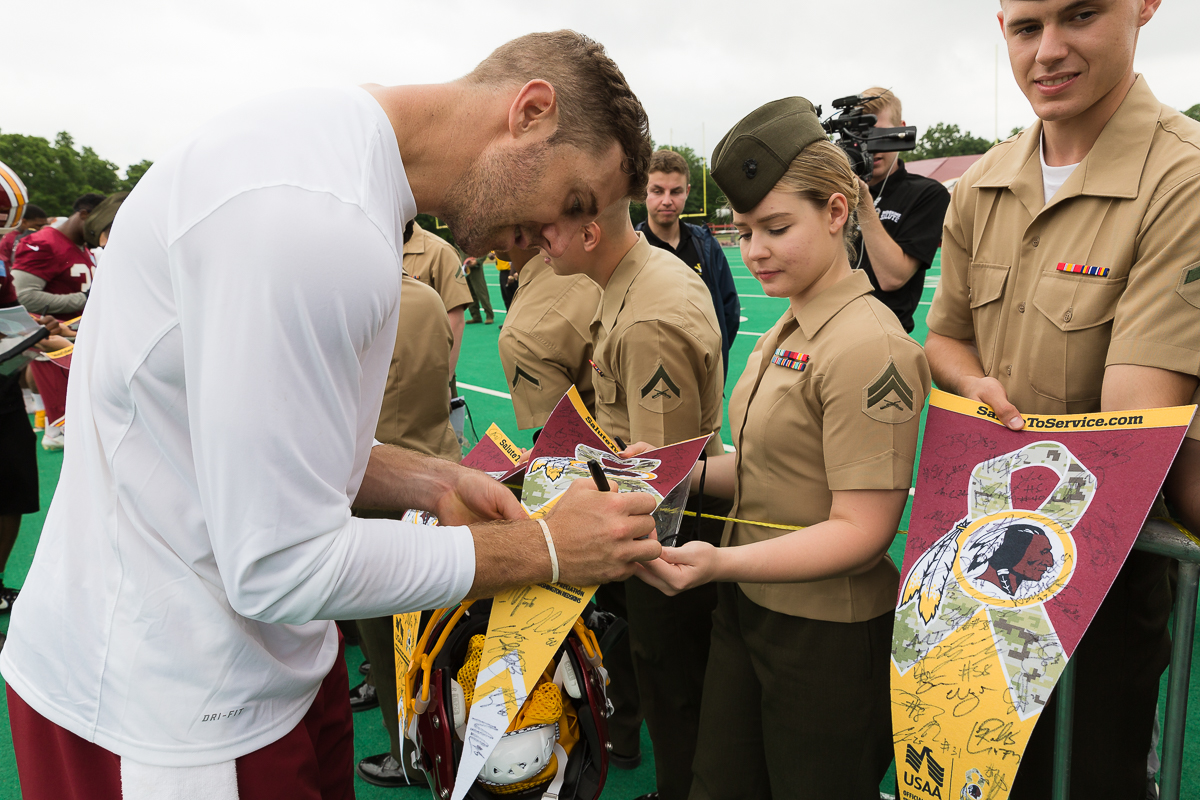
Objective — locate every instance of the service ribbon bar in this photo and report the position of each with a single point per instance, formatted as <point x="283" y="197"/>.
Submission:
<point x="1083" y="269"/>
<point x="791" y="359"/>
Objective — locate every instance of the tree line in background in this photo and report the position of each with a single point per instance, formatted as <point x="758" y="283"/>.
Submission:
<point x="57" y="173"/>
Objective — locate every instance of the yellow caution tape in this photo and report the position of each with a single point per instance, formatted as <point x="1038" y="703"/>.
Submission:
<point x="747" y="522"/>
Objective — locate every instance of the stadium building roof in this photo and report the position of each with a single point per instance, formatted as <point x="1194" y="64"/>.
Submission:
<point x="942" y="169"/>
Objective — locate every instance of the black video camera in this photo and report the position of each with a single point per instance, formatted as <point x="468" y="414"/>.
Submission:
<point x="860" y="139"/>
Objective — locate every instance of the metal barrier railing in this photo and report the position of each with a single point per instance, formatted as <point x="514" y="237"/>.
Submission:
<point x="1164" y="539"/>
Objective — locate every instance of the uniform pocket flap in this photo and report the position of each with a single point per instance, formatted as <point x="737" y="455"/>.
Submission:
<point x="986" y="283"/>
<point x="606" y="389"/>
<point x="1073" y="303"/>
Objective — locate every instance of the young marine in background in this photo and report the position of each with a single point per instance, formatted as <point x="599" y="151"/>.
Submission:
<point x="658" y="377"/>
<point x="825" y="420"/>
<point x="546" y="342"/>
<point x="433" y="261"/>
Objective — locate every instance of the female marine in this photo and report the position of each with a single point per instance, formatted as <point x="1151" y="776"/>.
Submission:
<point x="825" y="420"/>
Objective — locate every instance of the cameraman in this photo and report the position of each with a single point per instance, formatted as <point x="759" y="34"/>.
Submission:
<point x="900" y="216"/>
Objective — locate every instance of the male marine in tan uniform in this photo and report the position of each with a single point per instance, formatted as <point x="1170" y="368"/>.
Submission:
<point x="658" y="378"/>
<point x="1071" y="283"/>
<point x="546" y="341"/>
<point x="416" y="415"/>
<point x="434" y="262"/>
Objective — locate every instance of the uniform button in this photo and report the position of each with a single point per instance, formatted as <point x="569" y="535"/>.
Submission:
<point x="1008" y="369"/>
<point x="1021" y="307"/>
<point x="1037" y="240"/>
<point x="1067" y="316"/>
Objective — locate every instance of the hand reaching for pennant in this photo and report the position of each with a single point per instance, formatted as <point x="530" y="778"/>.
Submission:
<point x="475" y="496"/>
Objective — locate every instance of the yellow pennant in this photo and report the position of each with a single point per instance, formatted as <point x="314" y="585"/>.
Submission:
<point x="405" y="630"/>
<point x="525" y="629"/>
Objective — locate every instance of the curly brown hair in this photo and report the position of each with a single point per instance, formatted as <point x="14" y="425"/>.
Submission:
<point x="596" y="107"/>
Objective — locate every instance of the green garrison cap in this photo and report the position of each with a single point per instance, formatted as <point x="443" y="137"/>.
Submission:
<point x="756" y="153"/>
<point x="101" y="217"/>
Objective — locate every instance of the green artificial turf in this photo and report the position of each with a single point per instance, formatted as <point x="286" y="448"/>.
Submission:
<point x="481" y="381"/>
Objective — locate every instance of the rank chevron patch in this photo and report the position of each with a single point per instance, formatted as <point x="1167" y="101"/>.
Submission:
<point x="668" y="387"/>
<point x="520" y="373"/>
<point x="888" y="397"/>
<point x="660" y="394"/>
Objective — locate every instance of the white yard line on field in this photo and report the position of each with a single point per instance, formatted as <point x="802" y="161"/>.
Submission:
<point x="471" y="388"/>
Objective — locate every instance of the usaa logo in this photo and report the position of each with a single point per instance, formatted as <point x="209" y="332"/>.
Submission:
<point x="931" y="786"/>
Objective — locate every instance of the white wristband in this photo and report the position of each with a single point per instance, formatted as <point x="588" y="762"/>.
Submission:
<point x="550" y="547"/>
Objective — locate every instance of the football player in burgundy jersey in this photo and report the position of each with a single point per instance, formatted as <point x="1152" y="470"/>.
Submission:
<point x="52" y="269"/>
<point x="52" y="273"/>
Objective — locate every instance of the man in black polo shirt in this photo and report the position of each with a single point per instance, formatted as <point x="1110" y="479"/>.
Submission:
<point x="900" y="216"/>
<point x="694" y="245"/>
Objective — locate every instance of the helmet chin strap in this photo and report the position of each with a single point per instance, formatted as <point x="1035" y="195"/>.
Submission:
<point x="555" y="786"/>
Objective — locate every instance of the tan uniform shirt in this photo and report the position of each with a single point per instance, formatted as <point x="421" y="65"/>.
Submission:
<point x="546" y="341"/>
<point x="416" y="398"/>
<point x="434" y="262"/>
<point x="658" y="375"/>
<point x="829" y="401"/>
<point x="1128" y="216"/>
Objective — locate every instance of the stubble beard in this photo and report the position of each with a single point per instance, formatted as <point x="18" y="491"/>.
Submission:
<point x="493" y="196"/>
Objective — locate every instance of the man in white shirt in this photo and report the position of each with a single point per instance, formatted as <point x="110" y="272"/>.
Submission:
<point x="173" y="636"/>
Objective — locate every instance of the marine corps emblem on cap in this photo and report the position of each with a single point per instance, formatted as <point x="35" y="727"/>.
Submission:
<point x="756" y="153"/>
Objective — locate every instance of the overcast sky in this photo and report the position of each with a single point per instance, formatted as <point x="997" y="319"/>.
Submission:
<point x="132" y="77"/>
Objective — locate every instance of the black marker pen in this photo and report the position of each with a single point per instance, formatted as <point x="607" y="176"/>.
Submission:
<point x="598" y="476"/>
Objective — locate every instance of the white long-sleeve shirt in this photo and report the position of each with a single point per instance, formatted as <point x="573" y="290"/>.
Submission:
<point x="223" y="395"/>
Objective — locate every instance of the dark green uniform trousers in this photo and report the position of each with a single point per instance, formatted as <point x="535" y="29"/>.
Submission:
<point x="479" y="293"/>
<point x="793" y="707"/>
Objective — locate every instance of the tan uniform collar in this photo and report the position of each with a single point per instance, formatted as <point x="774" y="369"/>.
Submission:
<point x="533" y="268"/>
<point x="828" y="303"/>
<point x="1113" y="167"/>
<point x="416" y="243"/>
<point x="620" y="281"/>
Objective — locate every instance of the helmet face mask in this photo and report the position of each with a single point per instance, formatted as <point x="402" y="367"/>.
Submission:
<point x="512" y="771"/>
<point x="520" y="755"/>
